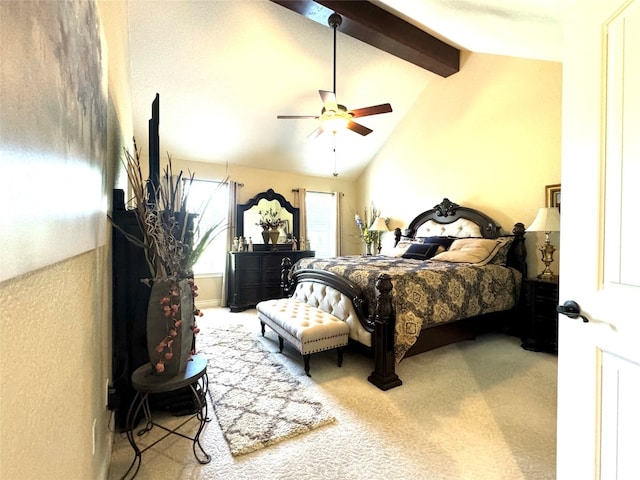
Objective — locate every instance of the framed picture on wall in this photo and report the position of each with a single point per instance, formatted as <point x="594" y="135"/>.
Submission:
<point x="552" y="196"/>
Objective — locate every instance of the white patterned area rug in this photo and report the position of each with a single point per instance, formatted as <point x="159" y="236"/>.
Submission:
<point x="257" y="401"/>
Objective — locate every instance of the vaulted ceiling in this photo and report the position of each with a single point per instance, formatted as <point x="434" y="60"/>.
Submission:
<point x="225" y="69"/>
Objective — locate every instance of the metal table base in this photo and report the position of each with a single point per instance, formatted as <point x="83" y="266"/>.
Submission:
<point x="194" y="377"/>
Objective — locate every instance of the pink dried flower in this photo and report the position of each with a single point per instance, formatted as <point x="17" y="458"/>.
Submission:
<point x="168" y="356"/>
<point x="173" y="333"/>
<point x="159" y="367"/>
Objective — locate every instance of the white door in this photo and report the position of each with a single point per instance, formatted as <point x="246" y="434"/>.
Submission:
<point x="599" y="361"/>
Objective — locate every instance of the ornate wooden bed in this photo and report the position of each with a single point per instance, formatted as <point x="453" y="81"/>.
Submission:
<point x="420" y="303"/>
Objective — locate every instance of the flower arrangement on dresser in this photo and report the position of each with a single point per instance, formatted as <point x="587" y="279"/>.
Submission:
<point x="270" y="219"/>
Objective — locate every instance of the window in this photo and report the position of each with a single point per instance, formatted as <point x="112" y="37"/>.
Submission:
<point x="213" y="198"/>
<point x="322" y="223"/>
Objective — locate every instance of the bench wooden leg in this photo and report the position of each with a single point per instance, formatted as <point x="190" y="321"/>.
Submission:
<point x="340" y="350"/>
<point x="306" y="364"/>
<point x="262" y="327"/>
<point x="280" y="343"/>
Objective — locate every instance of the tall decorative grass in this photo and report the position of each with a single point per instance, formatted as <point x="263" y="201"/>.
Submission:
<point x="173" y="238"/>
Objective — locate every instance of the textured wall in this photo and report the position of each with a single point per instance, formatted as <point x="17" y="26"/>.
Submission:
<point x="55" y="321"/>
<point x="51" y="368"/>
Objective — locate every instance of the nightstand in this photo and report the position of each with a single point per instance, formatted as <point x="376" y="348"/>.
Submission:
<point x="538" y="302"/>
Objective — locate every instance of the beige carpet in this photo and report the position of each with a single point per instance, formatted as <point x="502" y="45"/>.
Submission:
<point x="476" y="410"/>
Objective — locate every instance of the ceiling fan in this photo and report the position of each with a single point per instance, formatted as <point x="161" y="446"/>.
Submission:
<point x="335" y="116"/>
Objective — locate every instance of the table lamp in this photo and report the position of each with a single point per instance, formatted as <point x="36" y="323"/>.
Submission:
<point x="547" y="220"/>
<point x="379" y="225"/>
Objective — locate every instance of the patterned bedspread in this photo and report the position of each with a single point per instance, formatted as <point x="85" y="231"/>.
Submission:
<point x="427" y="293"/>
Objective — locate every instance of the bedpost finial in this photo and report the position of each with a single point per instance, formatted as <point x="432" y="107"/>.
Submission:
<point x="518" y="229"/>
<point x="383" y="309"/>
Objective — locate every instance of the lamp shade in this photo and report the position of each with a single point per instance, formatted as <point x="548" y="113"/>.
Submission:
<point x="378" y="225"/>
<point x="547" y="220"/>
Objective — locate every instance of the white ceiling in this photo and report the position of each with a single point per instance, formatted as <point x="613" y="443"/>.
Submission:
<point x="225" y="69"/>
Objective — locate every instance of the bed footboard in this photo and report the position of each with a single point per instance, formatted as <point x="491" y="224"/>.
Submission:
<point x="380" y="322"/>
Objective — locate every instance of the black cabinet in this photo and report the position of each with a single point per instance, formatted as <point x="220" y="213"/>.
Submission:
<point x="255" y="276"/>
<point x="129" y="306"/>
<point x="539" y="318"/>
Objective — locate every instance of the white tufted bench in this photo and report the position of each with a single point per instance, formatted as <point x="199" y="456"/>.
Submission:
<point x="304" y="322"/>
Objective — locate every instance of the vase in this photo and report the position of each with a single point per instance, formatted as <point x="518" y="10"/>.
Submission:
<point x="170" y="326"/>
<point x="273" y="236"/>
<point x="368" y="248"/>
<point x="265" y="236"/>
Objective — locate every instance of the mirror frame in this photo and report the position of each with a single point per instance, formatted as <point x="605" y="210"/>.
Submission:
<point x="268" y="195"/>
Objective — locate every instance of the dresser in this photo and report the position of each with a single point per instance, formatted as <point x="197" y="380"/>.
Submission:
<point x="255" y="276"/>
<point x="538" y="303"/>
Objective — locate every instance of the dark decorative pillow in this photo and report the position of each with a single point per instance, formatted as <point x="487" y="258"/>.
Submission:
<point x="501" y="257"/>
<point x="422" y="251"/>
<point x="444" y="241"/>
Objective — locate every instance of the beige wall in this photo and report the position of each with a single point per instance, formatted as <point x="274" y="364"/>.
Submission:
<point x="487" y="137"/>
<point x="55" y="335"/>
<point x="256" y="181"/>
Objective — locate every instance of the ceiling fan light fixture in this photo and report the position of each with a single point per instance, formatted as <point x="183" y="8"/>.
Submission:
<point x="335" y="120"/>
<point x="334" y="116"/>
<point x="334" y="123"/>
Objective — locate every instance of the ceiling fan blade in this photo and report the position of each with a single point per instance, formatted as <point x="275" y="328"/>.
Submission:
<point x="356" y="127"/>
<point x="328" y="100"/>
<point x="374" y="110"/>
<point x="297" y="116"/>
<point x="315" y="133"/>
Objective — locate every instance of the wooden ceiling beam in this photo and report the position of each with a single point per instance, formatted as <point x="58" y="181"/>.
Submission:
<point x="377" y="27"/>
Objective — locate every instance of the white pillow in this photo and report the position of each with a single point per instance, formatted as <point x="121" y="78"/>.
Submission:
<point x="399" y="250"/>
<point x="478" y="251"/>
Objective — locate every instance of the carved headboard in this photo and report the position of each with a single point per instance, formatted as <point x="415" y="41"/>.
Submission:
<point x="450" y="219"/>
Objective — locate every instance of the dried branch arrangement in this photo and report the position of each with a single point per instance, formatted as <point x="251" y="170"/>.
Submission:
<point x="172" y="237"/>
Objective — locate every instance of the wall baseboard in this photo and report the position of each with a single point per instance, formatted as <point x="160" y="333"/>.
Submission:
<point x="208" y="303"/>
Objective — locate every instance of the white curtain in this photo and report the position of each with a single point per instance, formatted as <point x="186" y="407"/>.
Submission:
<point x="231" y="230"/>
<point x="299" y="201"/>
<point x="338" y="202"/>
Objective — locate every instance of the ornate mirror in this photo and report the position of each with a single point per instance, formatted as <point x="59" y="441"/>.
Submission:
<point x="249" y="214"/>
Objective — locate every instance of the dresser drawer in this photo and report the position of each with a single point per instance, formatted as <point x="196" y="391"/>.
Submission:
<point x="255" y="276"/>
